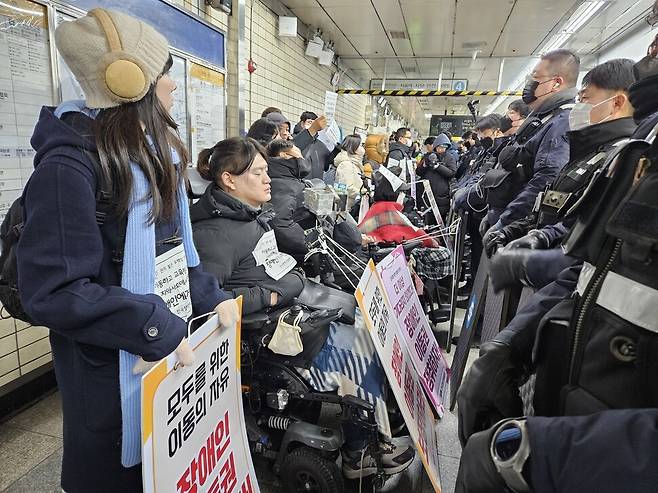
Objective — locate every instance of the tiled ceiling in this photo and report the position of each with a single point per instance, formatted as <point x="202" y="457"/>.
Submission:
<point x="426" y="39"/>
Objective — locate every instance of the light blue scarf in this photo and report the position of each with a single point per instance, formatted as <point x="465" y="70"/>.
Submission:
<point x="138" y="276"/>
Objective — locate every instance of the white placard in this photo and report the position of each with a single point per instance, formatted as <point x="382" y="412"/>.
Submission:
<point x="398" y="366"/>
<point x="172" y="281"/>
<point x="193" y="433"/>
<point x="395" y="181"/>
<point x="426" y="355"/>
<point x="267" y="254"/>
<point x="330" y="102"/>
<point x="330" y="136"/>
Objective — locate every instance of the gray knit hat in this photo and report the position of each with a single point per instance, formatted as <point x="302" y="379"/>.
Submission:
<point x="115" y="58"/>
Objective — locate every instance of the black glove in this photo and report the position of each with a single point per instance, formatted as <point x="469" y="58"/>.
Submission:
<point x="477" y="472"/>
<point x="493" y="240"/>
<point x="484" y="227"/>
<point x="534" y="240"/>
<point x="490" y="391"/>
<point x="509" y="267"/>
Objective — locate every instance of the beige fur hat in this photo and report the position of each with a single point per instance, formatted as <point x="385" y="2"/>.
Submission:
<point x="115" y="58"/>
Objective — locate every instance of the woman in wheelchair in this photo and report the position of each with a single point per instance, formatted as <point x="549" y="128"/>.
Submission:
<point x="235" y="243"/>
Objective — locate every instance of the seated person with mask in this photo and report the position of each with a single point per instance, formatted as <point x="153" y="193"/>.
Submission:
<point x="229" y="222"/>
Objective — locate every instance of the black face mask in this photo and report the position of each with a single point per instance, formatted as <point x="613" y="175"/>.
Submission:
<point x="467" y="145"/>
<point x="529" y="91"/>
<point x="486" y="142"/>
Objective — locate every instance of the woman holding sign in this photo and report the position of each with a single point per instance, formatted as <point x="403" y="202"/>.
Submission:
<point x="236" y="244"/>
<point x="106" y="258"/>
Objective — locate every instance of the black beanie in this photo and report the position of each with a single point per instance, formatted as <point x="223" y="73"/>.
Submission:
<point x="263" y="130"/>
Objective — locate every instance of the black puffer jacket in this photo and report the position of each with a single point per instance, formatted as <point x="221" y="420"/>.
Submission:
<point x="398" y="152"/>
<point x="288" y="201"/>
<point x="226" y="232"/>
<point x="439" y="170"/>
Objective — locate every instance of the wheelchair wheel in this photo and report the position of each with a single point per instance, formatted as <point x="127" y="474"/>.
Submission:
<point x="303" y="470"/>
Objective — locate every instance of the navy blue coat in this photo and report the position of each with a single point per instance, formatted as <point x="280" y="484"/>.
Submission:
<point x="548" y="152"/>
<point x="607" y="452"/>
<point x="68" y="282"/>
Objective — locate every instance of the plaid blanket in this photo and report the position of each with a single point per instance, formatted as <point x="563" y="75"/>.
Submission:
<point x="386" y="223"/>
<point x="348" y="363"/>
<point x="387" y="218"/>
<point x="431" y="263"/>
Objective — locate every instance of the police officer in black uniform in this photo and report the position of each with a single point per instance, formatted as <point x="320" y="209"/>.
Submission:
<point x="600" y="122"/>
<point x="596" y="350"/>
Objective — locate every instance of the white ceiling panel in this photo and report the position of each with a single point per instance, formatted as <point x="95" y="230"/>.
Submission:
<point x="402" y="47"/>
<point x="478" y="25"/>
<point x="342" y="45"/>
<point x="496" y="29"/>
<point x="356" y="64"/>
<point x="390" y="14"/>
<point x="316" y="17"/>
<point x="529" y="24"/>
<point x="619" y="13"/>
<point x="365" y="23"/>
<point x="292" y="4"/>
<point x="377" y="44"/>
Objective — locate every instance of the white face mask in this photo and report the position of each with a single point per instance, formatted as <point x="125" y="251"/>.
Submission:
<point x="579" y="117"/>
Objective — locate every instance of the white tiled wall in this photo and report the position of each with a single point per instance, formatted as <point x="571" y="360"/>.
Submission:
<point x="23" y="348"/>
<point x="285" y="77"/>
<point x="288" y="79"/>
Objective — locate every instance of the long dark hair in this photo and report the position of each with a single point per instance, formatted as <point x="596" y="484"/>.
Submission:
<point x="121" y="140"/>
<point x="234" y="155"/>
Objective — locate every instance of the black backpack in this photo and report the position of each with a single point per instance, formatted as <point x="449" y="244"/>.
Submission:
<point x="12" y="226"/>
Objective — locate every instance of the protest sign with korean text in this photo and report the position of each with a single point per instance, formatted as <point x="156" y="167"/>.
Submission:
<point x="427" y="357"/>
<point x="399" y="368"/>
<point x="193" y="434"/>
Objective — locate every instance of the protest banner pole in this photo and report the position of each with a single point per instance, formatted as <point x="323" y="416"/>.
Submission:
<point x="475" y="307"/>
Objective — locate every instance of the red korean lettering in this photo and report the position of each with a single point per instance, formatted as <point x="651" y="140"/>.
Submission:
<point x="396" y="361"/>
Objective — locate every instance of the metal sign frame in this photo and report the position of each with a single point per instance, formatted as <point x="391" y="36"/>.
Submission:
<point x="475" y="307"/>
